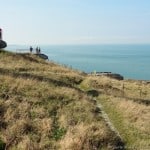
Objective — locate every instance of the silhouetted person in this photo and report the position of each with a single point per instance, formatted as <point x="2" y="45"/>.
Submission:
<point x="37" y="50"/>
<point x="31" y="49"/>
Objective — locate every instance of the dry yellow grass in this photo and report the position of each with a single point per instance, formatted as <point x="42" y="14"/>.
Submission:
<point x="41" y="107"/>
<point x="81" y="137"/>
<point x="127" y="104"/>
<point x="131" y="119"/>
<point x="124" y="88"/>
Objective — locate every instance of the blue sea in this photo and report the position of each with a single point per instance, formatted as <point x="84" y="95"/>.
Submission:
<point x="131" y="61"/>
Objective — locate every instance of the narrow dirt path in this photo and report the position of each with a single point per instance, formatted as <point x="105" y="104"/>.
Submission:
<point x="120" y="143"/>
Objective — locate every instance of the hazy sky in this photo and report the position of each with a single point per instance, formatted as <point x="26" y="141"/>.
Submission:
<point x="75" y="21"/>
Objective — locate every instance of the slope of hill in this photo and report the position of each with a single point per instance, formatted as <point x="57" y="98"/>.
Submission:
<point x="127" y="104"/>
<point x="42" y="107"/>
<point x="46" y="106"/>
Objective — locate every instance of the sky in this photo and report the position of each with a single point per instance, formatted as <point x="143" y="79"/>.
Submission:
<point x="75" y="21"/>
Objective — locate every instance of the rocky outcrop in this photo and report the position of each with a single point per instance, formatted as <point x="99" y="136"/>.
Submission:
<point x="115" y="76"/>
<point x="109" y="74"/>
<point x="43" y="56"/>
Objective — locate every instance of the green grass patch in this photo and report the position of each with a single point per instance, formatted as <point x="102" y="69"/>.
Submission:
<point x="132" y="137"/>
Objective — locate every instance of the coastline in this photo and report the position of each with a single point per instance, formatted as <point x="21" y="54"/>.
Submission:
<point x="131" y="61"/>
<point x="60" y="99"/>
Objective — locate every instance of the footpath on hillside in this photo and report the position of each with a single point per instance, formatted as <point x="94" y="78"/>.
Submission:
<point x="125" y="109"/>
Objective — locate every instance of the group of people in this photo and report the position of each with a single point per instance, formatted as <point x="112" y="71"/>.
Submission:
<point x="37" y="50"/>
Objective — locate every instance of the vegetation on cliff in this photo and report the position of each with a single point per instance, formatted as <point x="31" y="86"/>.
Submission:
<point x="45" y="106"/>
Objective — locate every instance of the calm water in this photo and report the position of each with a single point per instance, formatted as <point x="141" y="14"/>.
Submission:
<point x="132" y="61"/>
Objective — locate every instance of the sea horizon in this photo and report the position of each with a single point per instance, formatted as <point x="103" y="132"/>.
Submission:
<point x="129" y="60"/>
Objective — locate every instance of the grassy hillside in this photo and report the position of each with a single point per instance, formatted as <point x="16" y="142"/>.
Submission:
<point x="43" y="108"/>
<point x="46" y="106"/>
<point x="127" y="104"/>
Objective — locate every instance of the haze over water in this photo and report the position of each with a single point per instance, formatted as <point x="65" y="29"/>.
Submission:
<point x="131" y="61"/>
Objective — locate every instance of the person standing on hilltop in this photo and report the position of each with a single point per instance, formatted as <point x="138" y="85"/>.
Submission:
<point x="37" y="50"/>
<point x="31" y="49"/>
